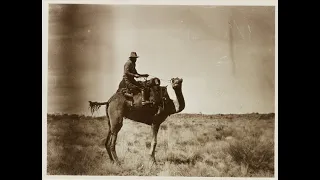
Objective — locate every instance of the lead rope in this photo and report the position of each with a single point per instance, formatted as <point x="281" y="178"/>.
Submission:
<point x="165" y="80"/>
<point x="162" y="99"/>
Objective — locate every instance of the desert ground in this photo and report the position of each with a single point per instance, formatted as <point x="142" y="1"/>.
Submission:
<point x="188" y="145"/>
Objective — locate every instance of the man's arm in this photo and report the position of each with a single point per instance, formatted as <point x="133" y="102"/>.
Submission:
<point x="136" y="73"/>
<point x="127" y="70"/>
<point x="140" y="75"/>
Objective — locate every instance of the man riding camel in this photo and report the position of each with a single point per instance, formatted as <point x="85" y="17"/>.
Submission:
<point x="130" y="73"/>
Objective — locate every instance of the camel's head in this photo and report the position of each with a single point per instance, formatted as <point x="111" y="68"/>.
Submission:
<point x="176" y="82"/>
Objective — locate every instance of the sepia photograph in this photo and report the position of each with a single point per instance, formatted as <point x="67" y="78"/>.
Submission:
<point x="169" y="90"/>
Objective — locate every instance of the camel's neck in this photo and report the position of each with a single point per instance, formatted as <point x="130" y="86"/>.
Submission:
<point x="179" y="103"/>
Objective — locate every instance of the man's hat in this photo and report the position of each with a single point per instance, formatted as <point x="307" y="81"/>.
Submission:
<point x="133" y="55"/>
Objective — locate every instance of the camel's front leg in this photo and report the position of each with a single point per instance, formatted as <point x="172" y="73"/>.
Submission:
<point x="154" y="128"/>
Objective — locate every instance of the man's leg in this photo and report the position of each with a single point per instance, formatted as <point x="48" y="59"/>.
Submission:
<point x="130" y="87"/>
<point x="136" y="85"/>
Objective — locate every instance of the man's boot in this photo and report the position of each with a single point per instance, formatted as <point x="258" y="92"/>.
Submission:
<point x="143" y="95"/>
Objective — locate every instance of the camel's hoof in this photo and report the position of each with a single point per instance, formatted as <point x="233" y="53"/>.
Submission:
<point x="117" y="163"/>
<point x="153" y="160"/>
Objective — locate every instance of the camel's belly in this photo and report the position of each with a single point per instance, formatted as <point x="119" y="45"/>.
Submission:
<point x="145" y="117"/>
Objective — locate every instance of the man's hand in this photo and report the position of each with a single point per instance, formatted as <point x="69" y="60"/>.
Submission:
<point x="136" y="75"/>
<point x="144" y="75"/>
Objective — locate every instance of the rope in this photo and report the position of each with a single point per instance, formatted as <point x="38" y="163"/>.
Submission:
<point x="165" y="80"/>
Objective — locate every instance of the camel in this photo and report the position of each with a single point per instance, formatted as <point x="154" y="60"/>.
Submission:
<point x="119" y="107"/>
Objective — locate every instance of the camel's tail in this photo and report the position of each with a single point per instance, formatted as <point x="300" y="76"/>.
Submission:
<point x="94" y="106"/>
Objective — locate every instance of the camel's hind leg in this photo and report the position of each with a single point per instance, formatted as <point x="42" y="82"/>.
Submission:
<point x="116" y="125"/>
<point x="108" y="142"/>
<point x="113" y="139"/>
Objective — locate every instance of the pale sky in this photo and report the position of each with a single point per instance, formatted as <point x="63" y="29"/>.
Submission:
<point x="225" y="55"/>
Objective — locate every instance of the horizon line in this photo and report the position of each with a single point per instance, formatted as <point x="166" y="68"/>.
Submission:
<point x="79" y="114"/>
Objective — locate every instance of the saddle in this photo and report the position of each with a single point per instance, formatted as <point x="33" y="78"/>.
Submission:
<point x="149" y="85"/>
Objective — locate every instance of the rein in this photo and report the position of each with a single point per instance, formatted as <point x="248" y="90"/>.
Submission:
<point x="165" y="80"/>
<point x="162" y="98"/>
